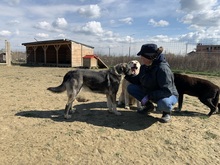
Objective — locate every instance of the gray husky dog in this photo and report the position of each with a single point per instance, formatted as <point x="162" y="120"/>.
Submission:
<point x="104" y="81"/>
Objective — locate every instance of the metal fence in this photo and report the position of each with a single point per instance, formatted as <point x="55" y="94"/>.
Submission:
<point x="170" y="47"/>
<point x="131" y="48"/>
<point x="181" y="55"/>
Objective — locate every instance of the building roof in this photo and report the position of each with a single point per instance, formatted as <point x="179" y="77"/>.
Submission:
<point x="91" y="56"/>
<point x="101" y="63"/>
<point x="53" y="42"/>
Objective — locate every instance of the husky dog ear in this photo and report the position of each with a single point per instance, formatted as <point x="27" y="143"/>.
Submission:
<point x="120" y="68"/>
<point x="126" y="69"/>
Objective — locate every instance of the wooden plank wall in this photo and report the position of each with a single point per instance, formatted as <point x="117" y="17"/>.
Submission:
<point x="78" y="52"/>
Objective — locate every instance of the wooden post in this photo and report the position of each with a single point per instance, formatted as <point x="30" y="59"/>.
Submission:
<point x="72" y="54"/>
<point x="8" y="53"/>
<point x="35" y="56"/>
<point x="45" y="54"/>
<point x="57" y="47"/>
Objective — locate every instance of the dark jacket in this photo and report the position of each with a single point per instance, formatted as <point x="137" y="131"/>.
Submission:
<point x="156" y="80"/>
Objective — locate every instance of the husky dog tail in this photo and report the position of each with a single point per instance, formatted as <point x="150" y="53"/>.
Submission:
<point x="58" y="89"/>
<point x="219" y="103"/>
<point x="218" y="94"/>
<point x="62" y="87"/>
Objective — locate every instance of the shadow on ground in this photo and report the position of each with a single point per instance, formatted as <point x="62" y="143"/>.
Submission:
<point x="91" y="113"/>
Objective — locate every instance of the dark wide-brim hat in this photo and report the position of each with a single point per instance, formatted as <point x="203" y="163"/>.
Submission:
<point x="150" y="51"/>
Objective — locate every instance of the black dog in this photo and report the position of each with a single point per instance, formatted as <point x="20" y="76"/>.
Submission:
<point x="206" y="91"/>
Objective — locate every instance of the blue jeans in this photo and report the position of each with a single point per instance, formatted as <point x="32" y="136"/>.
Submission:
<point x="164" y="104"/>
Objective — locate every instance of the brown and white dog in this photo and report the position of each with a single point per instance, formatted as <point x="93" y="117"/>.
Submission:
<point x="125" y="98"/>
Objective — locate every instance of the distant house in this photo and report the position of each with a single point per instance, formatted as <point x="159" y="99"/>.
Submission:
<point x="61" y="52"/>
<point x="2" y="58"/>
<point x="192" y="53"/>
<point x="208" y="49"/>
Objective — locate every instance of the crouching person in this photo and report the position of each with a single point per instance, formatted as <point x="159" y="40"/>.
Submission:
<point x="154" y="83"/>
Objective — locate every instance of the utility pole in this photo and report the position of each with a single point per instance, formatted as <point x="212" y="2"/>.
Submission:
<point x="186" y="48"/>
<point x="129" y="48"/>
<point x="109" y="51"/>
<point x="8" y="53"/>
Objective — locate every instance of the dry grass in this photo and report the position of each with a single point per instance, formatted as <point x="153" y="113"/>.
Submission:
<point x="33" y="130"/>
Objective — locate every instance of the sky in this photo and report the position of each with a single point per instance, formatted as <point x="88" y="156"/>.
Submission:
<point x="111" y="26"/>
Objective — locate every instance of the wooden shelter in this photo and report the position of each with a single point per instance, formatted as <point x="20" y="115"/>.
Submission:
<point x="61" y="52"/>
<point x="2" y="58"/>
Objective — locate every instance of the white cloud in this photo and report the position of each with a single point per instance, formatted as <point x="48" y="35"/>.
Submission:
<point x="12" y="2"/>
<point x="202" y="16"/>
<point x="17" y="32"/>
<point x="60" y="23"/>
<point x="202" y="13"/>
<point x="42" y="35"/>
<point x="187" y="19"/>
<point x="160" y="23"/>
<point x="14" y="22"/>
<point x="61" y="36"/>
<point x="195" y="36"/>
<point x="198" y="19"/>
<point x="127" y="20"/>
<point x="112" y="21"/>
<point x="92" y="27"/>
<point x="56" y="10"/>
<point x="43" y="25"/>
<point x="91" y="11"/>
<point x="160" y="38"/>
<point x="196" y="27"/>
<point x="5" y="33"/>
<point x="197" y="5"/>
<point x="109" y="2"/>
<point x="109" y="34"/>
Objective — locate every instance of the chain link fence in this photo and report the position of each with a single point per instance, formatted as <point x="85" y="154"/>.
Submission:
<point x="180" y="55"/>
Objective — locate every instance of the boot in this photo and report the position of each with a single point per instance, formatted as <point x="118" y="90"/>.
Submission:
<point x="149" y="107"/>
<point x="166" y="117"/>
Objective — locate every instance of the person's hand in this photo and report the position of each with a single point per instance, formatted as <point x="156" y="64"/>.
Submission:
<point x="144" y="100"/>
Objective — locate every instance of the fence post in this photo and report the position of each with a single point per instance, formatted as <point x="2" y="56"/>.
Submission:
<point x="8" y="53"/>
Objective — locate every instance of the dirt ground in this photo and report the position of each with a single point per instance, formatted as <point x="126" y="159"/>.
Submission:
<point x="33" y="130"/>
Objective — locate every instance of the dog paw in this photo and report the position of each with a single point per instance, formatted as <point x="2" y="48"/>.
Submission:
<point x="67" y="116"/>
<point x="117" y="113"/>
<point x="127" y="107"/>
<point x="119" y="103"/>
<point x="176" y="109"/>
<point x="72" y="111"/>
<point x="110" y="111"/>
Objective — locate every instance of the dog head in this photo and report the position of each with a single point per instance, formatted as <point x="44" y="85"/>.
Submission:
<point x="122" y="68"/>
<point x="135" y="67"/>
